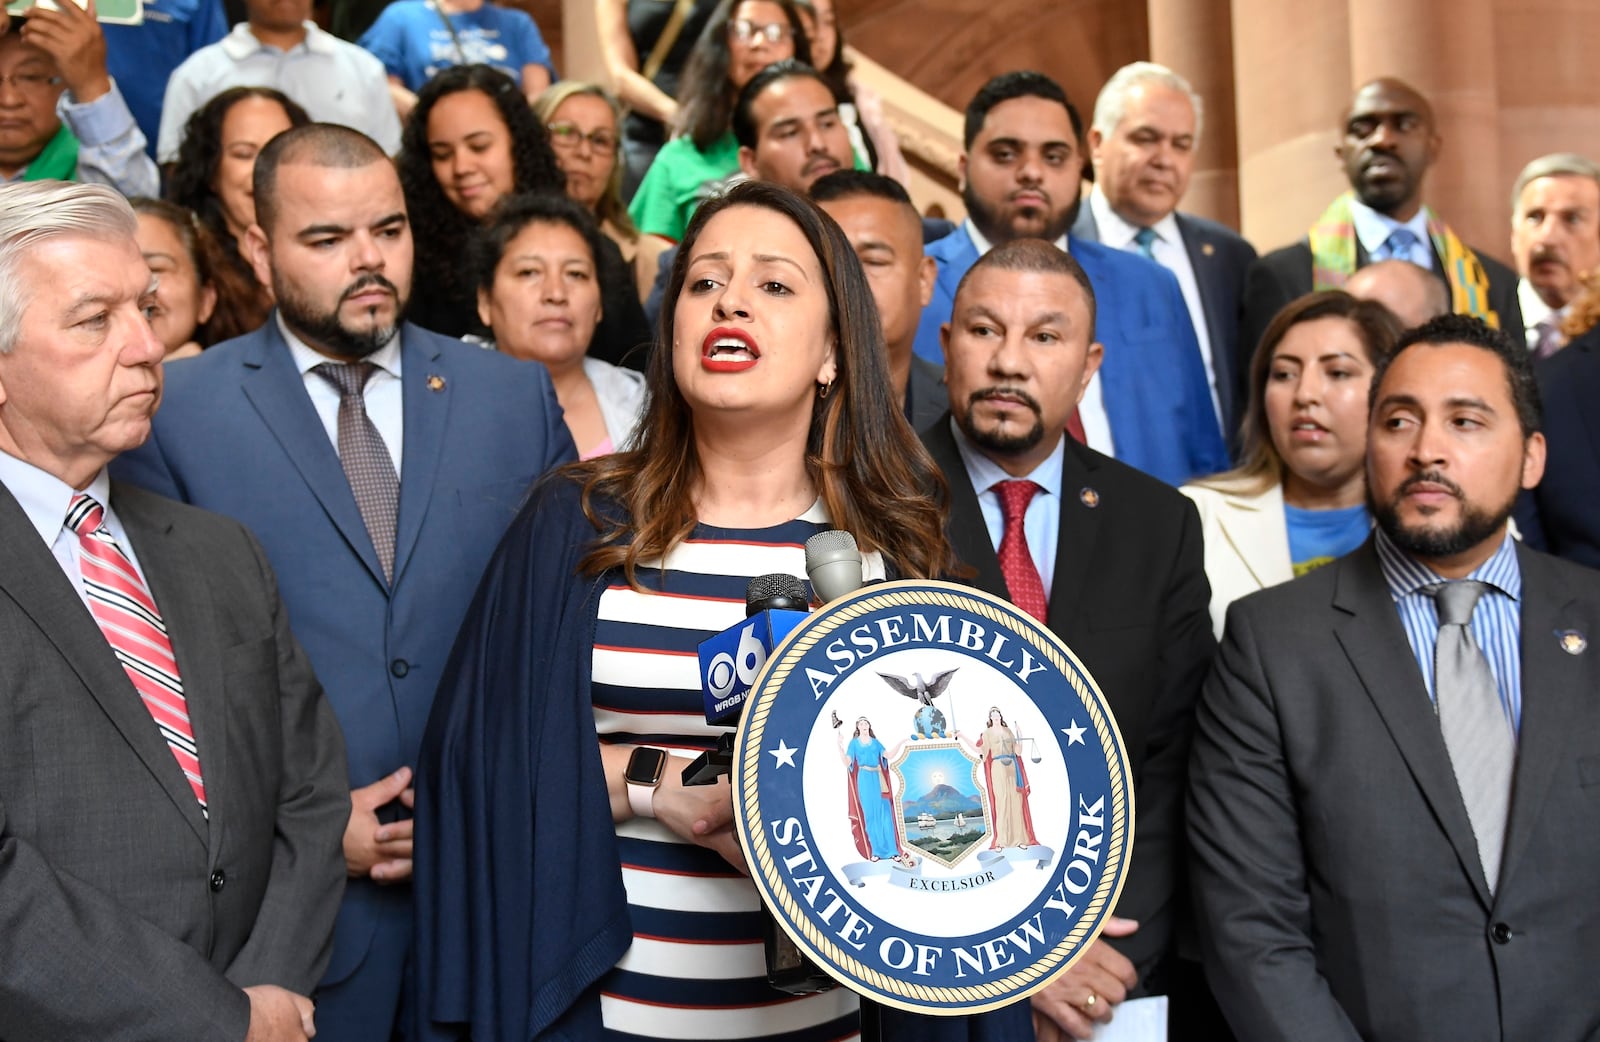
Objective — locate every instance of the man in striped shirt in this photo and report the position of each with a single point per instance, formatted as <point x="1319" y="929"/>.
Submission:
<point x="1392" y="814"/>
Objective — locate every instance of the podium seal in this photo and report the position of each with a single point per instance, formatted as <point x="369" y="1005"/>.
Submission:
<point x="933" y="797"/>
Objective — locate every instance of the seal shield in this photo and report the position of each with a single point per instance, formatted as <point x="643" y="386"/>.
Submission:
<point x="933" y="797"/>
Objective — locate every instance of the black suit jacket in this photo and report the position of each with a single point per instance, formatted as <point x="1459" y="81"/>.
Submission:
<point x="1562" y="515"/>
<point x="1130" y="598"/>
<point x="926" y="396"/>
<point x="1219" y="257"/>
<point x="1284" y="274"/>
<point x="1335" y="870"/>
<point x="126" y="913"/>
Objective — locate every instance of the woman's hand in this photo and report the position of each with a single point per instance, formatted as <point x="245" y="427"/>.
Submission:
<point x="701" y="814"/>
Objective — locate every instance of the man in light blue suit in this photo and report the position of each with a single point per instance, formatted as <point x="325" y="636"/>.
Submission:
<point x="1150" y="405"/>
<point x="379" y="491"/>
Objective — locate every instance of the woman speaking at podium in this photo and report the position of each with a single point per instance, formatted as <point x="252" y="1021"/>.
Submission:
<point x="559" y="891"/>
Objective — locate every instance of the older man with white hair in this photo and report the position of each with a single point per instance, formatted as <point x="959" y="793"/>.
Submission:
<point x="1147" y="123"/>
<point x="172" y="782"/>
<point x="1555" y="240"/>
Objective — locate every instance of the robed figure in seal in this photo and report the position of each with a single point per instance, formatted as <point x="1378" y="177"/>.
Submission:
<point x="866" y="764"/>
<point x="1006" y="780"/>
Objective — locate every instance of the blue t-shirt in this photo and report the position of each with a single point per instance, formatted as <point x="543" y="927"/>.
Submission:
<point x="141" y="57"/>
<point x="413" y="42"/>
<point x="1316" y="537"/>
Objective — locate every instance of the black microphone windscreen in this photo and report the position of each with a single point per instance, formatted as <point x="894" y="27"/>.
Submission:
<point x="774" y="591"/>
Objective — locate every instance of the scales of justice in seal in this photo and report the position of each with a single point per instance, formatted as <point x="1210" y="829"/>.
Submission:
<point x="932" y="795"/>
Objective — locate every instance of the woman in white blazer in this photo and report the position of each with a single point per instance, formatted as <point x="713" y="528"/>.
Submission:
<point x="1297" y="500"/>
<point x="537" y="266"/>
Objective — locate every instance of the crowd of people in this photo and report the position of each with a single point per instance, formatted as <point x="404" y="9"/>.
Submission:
<point x="385" y="420"/>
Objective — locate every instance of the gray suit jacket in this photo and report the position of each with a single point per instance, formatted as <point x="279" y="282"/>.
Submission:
<point x="127" y="915"/>
<point x="1335" y="871"/>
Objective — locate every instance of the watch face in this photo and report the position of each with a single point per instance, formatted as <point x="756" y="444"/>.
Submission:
<point x="644" y="766"/>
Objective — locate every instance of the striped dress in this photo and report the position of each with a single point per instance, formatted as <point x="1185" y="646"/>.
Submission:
<point x="696" y="968"/>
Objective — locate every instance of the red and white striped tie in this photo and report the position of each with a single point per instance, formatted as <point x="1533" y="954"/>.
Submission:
<point x="122" y="605"/>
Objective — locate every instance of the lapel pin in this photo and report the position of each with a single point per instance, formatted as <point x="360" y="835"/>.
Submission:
<point x="1089" y="497"/>
<point x="1572" y="642"/>
<point x="1207" y="249"/>
<point x="435" y="383"/>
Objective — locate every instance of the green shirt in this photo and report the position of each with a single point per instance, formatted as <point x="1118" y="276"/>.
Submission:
<point x="678" y="181"/>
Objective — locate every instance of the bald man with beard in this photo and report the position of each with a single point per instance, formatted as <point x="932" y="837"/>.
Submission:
<point x="1388" y="141"/>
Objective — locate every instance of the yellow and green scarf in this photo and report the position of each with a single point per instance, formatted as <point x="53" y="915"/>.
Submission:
<point x="1333" y="259"/>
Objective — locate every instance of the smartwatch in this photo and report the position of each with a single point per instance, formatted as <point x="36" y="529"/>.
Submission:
<point x="644" y="771"/>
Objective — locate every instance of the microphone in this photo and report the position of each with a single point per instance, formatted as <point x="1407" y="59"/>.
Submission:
<point x="833" y="563"/>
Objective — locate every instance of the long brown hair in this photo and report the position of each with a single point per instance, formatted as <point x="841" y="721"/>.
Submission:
<point x="1260" y="466"/>
<point x="876" y="479"/>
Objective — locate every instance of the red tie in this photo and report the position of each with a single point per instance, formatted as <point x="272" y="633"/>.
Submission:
<point x="1075" y="428"/>
<point x="1016" y="563"/>
<point x="122" y="605"/>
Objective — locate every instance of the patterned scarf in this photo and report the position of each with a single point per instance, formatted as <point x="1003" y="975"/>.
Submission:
<point x="1333" y="259"/>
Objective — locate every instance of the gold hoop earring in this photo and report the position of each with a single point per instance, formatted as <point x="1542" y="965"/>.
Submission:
<point x="823" y="389"/>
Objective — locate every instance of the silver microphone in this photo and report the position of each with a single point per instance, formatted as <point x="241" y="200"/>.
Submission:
<point x="833" y="564"/>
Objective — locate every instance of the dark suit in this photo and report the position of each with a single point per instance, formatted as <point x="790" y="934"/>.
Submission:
<point x="1130" y="598"/>
<point x="238" y="434"/>
<point x="1152" y="382"/>
<point x="1335" y="870"/>
<point x="1562" y="515"/>
<point x="126" y="913"/>
<point x="926" y="396"/>
<point x="1285" y="274"/>
<point x="1219" y="257"/>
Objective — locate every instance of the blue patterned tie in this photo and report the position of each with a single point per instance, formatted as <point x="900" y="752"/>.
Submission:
<point x="1398" y="245"/>
<point x="1145" y="239"/>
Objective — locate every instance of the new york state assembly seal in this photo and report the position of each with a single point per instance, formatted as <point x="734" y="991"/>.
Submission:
<point x="933" y="797"/>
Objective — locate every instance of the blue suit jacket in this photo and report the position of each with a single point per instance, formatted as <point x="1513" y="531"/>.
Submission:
<point x="237" y="434"/>
<point x="1153" y="380"/>
<point x="1219" y="257"/>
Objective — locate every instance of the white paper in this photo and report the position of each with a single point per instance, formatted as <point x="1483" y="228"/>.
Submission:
<point x="1137" y="1020"/>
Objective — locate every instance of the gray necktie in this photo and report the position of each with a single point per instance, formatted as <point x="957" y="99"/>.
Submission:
<point x="1477" y="733"/>
<point x="1550" y="339"/>
<point x="366" y="460"/>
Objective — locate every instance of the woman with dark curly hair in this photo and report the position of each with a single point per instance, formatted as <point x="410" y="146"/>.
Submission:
<point x="471" y="141"/>
<point x="212" y="179"/>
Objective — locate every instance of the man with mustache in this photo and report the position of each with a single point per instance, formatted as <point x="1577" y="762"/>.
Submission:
<point x="1392" y="817"/>
<point x="1387" y="143"/>
<point x="1106" y="556"/>
<point x="379" y="465"/>
<point x="1150" y="404"/>
<point x="1143" y="140"/>
<point x="1555" y="241"/>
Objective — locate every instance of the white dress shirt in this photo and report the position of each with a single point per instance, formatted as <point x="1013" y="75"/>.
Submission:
<point x="1373" y="230"/>
<point x="1170" y="253"/>
<point x="1092" y="409"/>
<point x="1041" y="524"/>
<point x="45" y="499"/>
<point x="382" y="393"/>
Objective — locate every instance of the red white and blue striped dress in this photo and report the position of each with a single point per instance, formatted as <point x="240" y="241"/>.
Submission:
<point x="696" y="968"/>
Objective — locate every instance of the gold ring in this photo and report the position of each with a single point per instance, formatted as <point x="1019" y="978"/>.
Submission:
<point x="1089" y="1002"/>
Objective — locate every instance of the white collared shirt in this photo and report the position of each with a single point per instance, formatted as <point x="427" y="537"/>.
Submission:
<point x="1041" y="524"/>
<point x="1373" y="230"/>
<point x="45" y="499"/>
<point x="1535" y="310"/>
<point x="334" y="81"/>
<point x="1170" y="253"/>
<point x="382" y="393"/>
<point x="1092" y="409"/>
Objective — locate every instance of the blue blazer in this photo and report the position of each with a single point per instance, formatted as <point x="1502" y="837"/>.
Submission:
<point x="1153" y="380"/>
<point x="237" y="434"/>
<point x="1219" y="257"/>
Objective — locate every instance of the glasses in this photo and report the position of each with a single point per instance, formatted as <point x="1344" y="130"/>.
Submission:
<point x="30" y="82"/>
<point x="749" y="33"/>
<point x="566" y="137"/>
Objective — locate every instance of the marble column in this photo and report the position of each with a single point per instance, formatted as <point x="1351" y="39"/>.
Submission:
<point x="1195" y="39"/>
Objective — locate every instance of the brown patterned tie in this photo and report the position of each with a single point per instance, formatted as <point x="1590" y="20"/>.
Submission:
<point x="366" y="460"/>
